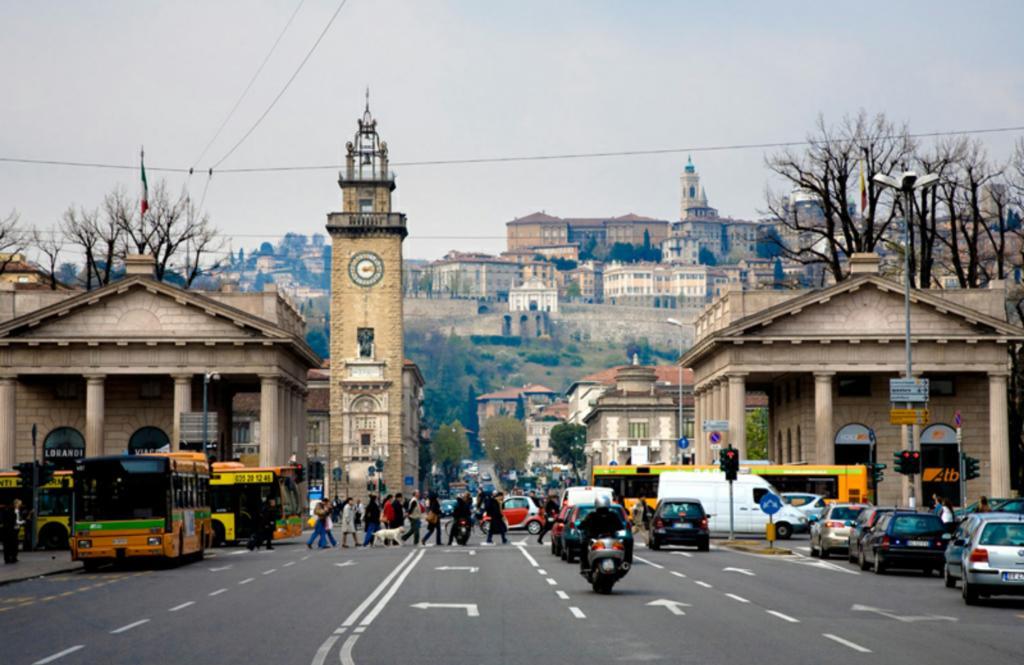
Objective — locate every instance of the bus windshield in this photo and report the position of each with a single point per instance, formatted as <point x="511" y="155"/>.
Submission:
<point x="122" y="489"/>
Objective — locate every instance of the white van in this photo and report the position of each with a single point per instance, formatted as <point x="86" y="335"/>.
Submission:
<point x="585" y="495"/>
<point x="712" y="490"/>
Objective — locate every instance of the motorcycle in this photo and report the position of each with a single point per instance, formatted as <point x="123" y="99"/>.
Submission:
<point x="606" y="563"/>
<point x="463" y="528"/>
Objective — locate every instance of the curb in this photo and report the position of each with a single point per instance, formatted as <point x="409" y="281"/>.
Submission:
<point x="14" y="580"/>
<point x="755" y="547"/>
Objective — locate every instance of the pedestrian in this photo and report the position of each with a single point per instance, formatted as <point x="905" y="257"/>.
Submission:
<point x="329" y="523"/>
<point x="397" y="512"/>
<point x="264" y="532"/>
<point x="463" y="510"/>
<point x="946" y="513"/>
<point x="433" y="519"/>
<point x="983" y="506"/>
<point x="414" y="510"/>
<point x="387" y="511"/>
<point x="348" y="523"/>
<point x="498" y="526"/>
<point x="359" y="509"/>
<point x="371" y="519"/>
<point x="11" y="521"/>
<point x="550" y="513"/>
<point x="638" y="514"/>
<point x="937" y="504"/>
<point x="336" y="507"/>
<point x="319" y="514"/>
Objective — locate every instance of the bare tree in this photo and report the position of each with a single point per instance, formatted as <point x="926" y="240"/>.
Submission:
<point x="49" y="244"/>
<point x="12" y="239"/>
<point x="98" y="238"/>
<point x="204" y="250"/>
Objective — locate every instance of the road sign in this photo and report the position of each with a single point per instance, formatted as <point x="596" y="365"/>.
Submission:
<point x="684" y="443"/>
<point x="770" y="504"/>
<point x="715" y="437"/>
<point x="715" y="425"/>
<point x="908" y="416"/>
<point x="409" y="480"/>
<point x="908" y="390"/>
<point x="957" y="420"/>
<point x="716" y="446"/>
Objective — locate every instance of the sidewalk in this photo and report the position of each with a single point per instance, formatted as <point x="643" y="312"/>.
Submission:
<point x="755" y="547"/>
<point x="36" y="564"/>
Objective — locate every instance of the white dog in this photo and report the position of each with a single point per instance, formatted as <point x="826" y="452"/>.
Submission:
<point x="387" y="537"/>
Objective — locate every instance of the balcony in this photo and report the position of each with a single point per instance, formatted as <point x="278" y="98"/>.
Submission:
<point x="366" y="222"/>
<point x="366" y="175"/>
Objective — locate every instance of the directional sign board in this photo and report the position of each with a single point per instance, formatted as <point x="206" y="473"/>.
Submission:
<point x="715" y="425"/>
<point x="908" y="390"/>
<point x="908" y="416"/>
<point x="770" y="504"/>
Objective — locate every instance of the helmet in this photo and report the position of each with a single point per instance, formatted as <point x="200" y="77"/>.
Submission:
<point x="602" y="502"/>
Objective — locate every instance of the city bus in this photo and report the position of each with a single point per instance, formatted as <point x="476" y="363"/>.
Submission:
<point x="834" y="482"/>
<point x="154" y="505"/>
<point x="53" y="525"/>
<point x="237" y="495"/>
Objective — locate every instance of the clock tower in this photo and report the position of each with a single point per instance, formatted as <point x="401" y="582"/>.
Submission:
<point x="367" y="350"/>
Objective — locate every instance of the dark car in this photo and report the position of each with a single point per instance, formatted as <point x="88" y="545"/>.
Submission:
<point x="447" y="507"/>
<point x="905" y="539"/>
<point x="679" y="522"/>
<point x="572" y="545"/>
<point x="865" y="522"/>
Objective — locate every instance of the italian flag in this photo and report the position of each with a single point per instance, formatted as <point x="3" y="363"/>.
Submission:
<point x="145" y="185"/>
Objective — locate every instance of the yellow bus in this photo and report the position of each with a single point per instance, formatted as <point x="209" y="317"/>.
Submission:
<point x="53" y="525"/>
<point x="834" y="482"/>
<point x="151" y="505"/>
<point x="237" y="495"/>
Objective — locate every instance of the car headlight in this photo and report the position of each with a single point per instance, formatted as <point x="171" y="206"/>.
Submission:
<point x="85" y="544"/>
<point x="153" y="540"/>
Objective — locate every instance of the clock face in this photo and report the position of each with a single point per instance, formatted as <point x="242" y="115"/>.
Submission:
<point x="365" y="268"/>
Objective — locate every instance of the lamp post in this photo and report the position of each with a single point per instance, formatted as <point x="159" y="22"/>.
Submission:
<point x="679" y="422"/>
<point x="207" y="377"/>
<point x="908" y="183"/>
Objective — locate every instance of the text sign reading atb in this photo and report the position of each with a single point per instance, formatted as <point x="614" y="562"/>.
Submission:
<point x="770" y="504"/>
<point x="908" y="390"/>
<point x="715" y="425"/>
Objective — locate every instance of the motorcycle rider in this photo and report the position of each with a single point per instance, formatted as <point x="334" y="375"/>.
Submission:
<point x="602" y="522"/>
<point x="462" y="511"/>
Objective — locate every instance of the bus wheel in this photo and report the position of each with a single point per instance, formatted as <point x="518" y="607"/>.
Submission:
<point x="54" y="537"/>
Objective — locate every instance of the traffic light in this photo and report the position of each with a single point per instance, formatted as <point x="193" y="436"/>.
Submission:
<point x="379" y="464"/>
<point x="908" y="462"/>
<point x="730" y="463"/>
<point x="876" y="473"/>
<point x="300" y="473"/>
<point x="972" y="467"/>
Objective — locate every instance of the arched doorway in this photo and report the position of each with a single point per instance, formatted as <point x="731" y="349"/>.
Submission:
<point x="940" y="463"/>
<point x="853" y="444"/>
<point x="149" y="440"/>
<point x="506" y="325"/>
<point x="64" y="446"/>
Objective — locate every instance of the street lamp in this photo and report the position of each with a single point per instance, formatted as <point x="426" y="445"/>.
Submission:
<point x="207" y="377"/>
<point x="679" y="324"/>
<point x="907" y="183"/>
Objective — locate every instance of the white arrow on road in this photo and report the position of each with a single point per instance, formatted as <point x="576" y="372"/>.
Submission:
<point x="217" y="570"/>
<point x="742" y="571"/>
<point x="345" y="564"/>
<point x="905" y="619"/>
<point x="471" y="609"/>
<point x="471" y="569"/>
<point x="671" y="605"/>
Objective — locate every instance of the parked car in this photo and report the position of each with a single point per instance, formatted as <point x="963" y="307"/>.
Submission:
<point x="992" y="562"/>
<point x="832" y="531"/>
<point x="995" y="505"/>
<point x="905" y="539"/>
<point x="520" y="513"/>
<point x="447" y="507"/>
<point x="953" y="570"/>
<point x="572" y="542"/>
<point x="865" y="522"/>
<point x="811" y="505"/>
<point x="557" y="528"/>
<point x="485" y="476"/>
<point x="583" y="494"/>
<point x="679" y="522"/>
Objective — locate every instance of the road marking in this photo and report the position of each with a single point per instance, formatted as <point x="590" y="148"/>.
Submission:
<point x="59" y="654"/>
<point x="738" y="598"/>
<point x="359" y="629"/>
<point x="268" y="572"/>
<point x="219" y="568"/>
<point x="372" y="614"/>
<point x="471" y="608"/>
<point x="304" y="558"/>
<point x="803" y="549"/>
<point x="577" y="612"/>
<point x="289" y="563"/>
<point x="247" y="580"/>
<point x="742" y="571"/>
<point x="471" y="569"/>
<point x="134" y="624"/>
<point x="542" y="571"/>
<point x="472" y="553"/>
<point x="649" y="563"/>
<point x="529" y="557"/>
<point x="678" y="574"/>
<point x="904" y="618"/>
<point x="346" y="651"/>
<point x="237" y="552"/>
<point x="340" y="631"/>
<point x="376" y="592"/>
<point x="182" y="606"/>
<point x="703" y="584"/>
<point x="217" y="592"/>
<point x="784" y="617"/>
<point x="672" y="606"/>
<point x="561" y="594"/>
<point x="686" y="554"/>
<point x="325" y="648"/>
<point x="345" y="564"/>
<point x="846" y="643"/>
<point x="552" y="582"/>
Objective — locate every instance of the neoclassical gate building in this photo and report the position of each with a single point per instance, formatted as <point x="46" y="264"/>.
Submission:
<point x="111" y="370"/>
<point x="825" y="358"/>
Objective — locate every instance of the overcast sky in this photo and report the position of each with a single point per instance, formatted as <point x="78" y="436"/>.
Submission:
<point x="91" y="81"/>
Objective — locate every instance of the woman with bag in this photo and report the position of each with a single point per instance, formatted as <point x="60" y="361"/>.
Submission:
<point x="433" y="519"/>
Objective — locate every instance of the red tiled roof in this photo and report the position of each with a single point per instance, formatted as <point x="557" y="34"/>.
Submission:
<point x="516" y="393"/>
<point x="558" y="410"/>
<point x="663" y="373"/>
<point x="536" y="217"/>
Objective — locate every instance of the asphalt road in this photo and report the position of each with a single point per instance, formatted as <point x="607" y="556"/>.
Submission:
<point x="501" y="604"/>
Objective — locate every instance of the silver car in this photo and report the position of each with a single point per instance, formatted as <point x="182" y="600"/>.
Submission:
<point x="992" y="562"/>
<point x="811" y="505"/>
<point x="832" y="531"/>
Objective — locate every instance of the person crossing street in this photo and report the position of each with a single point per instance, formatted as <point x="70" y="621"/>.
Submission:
<point x="492" y="508"/>
<point x="550" y="513"/>
<point x="414" y="510"/>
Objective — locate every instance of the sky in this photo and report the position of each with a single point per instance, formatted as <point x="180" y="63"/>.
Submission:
<point x="94" y="81"/>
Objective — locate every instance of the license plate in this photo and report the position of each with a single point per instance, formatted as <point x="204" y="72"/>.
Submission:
<point x="919" y="543"/>
<point x="120" y="541"/>
<point x="683" y="525"/>
<point x="1013" y="577"/>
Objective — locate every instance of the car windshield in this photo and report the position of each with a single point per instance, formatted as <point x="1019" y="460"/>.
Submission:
<point x="1009" y="534"/>
<point x="844" y="513"/>
<point x="916" y="525"/>
<point x="121" y="489"/>
<point x="692" y="511"/>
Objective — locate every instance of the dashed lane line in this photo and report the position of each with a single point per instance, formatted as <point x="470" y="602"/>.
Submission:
<point x="686" y="554"/>
<point x="561" y="594"/>
<point x="846" y="643"/>
<point x="784" y="617"/>
<point x="577" y="612"/>
<point x="740" y="599"/>
<point x="529" y="557"/>
<point x="649" y="563"/>
<point x="59" y="654"/>
<point x="268" y="572"/>
<point x="551" y="581"/>
<point x="678" y="574"/>
<point x="217" y="592"/>
<point x="246" y="580"/>
<point x="182" y="606"/>
<point x="124" y="629"/>
<point x="703" y="584"/>
<point x="542" y="571"/>
<point x="289" y="563"/>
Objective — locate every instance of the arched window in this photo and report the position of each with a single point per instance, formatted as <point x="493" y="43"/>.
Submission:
<point x="148" y="440"/>
<point x="693" y="192"/>
<point x="63" y="446"/>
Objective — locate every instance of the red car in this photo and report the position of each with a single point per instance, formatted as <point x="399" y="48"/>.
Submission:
<point x="520" y="513"/>
<point x="557" y="528"/>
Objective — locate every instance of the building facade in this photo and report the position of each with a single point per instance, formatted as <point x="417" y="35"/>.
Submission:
<point x="533" y="296"/>
<point x="540" y="230"/>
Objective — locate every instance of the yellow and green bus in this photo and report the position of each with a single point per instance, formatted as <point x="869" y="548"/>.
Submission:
<point x="53" y="525"/>
<point x="154" y="505"/>
<point x="237" y="496"/>
<point x="834" y="482"/>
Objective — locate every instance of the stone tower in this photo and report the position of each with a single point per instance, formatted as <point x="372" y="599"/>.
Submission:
<point x="693" y="196"/>
<point x="367" y="350"/>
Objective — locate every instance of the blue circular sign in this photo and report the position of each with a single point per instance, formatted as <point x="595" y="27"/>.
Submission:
<point x="770" y="504"/>
<point x="684" y="443"/>
<point x="716" y="437"/>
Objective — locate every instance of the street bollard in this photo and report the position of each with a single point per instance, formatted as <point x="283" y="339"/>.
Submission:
<point x="769" y="533"/>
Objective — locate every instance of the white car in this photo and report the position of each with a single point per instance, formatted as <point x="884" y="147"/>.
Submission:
<point x="811" y="505"/>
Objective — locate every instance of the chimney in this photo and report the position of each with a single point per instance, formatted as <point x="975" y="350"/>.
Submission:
<point x="139" y="264"/>
<point x="864" y="263"/>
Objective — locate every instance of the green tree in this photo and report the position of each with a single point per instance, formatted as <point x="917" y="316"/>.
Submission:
<point x="757" y="434"/>
<point x="573" y="290"/>
<point x="450" y="446"/>
<point x="504" y="440"/>
<point x="568" y="443"/>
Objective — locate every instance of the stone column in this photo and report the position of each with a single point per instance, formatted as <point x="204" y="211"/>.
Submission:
<point x="269" y="434"/>
<point x="824" y="442"/>
<point x="182" y="404"/>
<point x="999" y="435"/>
<point x="284" y="420"/>
<point x="721" y="404"/>
<point x="738" y="413"/>
<point x="95" y="410"/>
<point x="303" y="427"/>
<point x="8" y="422"/>
<point x="698" y="437"/>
